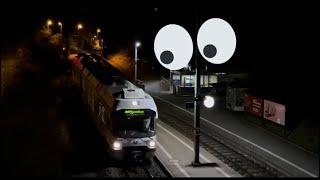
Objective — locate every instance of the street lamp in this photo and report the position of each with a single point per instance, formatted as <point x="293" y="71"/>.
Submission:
<point x="60" y="24"/>
<point x="79" y="26"/>
<point x="137" y="44"/>
<point x="49" y="23"/>
<point x="208" y="101"/>
<point x="98" y="31"/>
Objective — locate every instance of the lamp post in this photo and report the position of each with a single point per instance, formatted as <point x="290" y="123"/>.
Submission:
<point x="137" y="45"/>
<point x="98" y="31"/>
<point x="102" y="45"/>
<point x="49" y="23"/>
<point x="60" y="25"/>
<point x="171" y="83"/>
<point x="79" y="26"/>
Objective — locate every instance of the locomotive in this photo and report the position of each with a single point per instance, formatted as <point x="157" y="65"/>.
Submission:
<point x="124" y="114"/>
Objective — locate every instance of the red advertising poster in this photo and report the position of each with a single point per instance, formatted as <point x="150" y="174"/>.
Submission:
<point x="253" y="105"/>
<point x="256" y="106"/>
<point x="274" y="112"/>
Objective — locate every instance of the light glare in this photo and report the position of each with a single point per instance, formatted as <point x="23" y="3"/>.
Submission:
<point x="116" y="145"/>
<point x="208" y="101"/>
<point x="135" y="103"/>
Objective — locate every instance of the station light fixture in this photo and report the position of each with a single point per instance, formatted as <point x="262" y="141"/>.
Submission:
<point x="138" y="44"/>
<point x="208" y="101"/>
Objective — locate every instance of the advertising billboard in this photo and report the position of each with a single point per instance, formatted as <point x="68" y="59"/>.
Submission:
<point x="253" y="105"/>
<point x="274" y="112"/>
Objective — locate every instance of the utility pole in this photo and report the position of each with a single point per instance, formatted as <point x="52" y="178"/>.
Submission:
<point x="136" y="46"/>
<point x="1" y="50"/>
<point x="197" y="105"/>
<point x="196" y="117"/>
<point x="135" y="64"/>
<point x="198" y="99"/>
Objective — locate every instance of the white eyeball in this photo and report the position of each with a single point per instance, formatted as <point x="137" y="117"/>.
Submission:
<point x="173" y="47"/>
<point x="216" y="41"/>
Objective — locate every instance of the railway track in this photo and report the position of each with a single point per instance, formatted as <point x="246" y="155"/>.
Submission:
<point x="132" y="169"/>
<point x="140" y="168"/>
<point x="245" y="164"/>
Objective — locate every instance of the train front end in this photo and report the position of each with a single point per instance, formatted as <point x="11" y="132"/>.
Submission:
<point x="134" y="125"/>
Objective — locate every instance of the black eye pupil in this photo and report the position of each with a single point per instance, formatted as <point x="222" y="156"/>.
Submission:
<point x="209" y="51"/>
<point x="166" y="57"/>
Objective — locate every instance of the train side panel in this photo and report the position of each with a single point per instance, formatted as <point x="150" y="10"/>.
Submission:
<point x="99" y="101"/>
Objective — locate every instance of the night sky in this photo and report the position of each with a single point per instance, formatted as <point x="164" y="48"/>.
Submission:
<point x="273" y="39"/>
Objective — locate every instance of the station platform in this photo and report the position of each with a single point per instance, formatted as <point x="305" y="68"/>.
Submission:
<point x="274" y="150"/>
<point x="175" y="151"/>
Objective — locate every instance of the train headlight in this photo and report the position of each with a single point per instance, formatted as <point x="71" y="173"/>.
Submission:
<point x="151" y="144"/>
<point x="135" y="103"/>
<point x="116" y="145"/>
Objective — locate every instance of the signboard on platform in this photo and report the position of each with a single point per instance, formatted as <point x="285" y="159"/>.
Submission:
<point x="274" y="112"/>
<point x="253" y="105"/>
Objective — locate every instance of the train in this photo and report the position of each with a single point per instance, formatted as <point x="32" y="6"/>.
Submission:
<point x="124" y="114"/>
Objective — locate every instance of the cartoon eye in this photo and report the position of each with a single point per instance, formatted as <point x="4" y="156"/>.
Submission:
<point x="173" y="47"/>
<point x="216" y="41"/>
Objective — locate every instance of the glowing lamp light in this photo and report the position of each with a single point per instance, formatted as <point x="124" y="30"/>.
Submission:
<point x="135" y="103"/>
<point x="49" y="22"/>
<point x="208" y="101"/>
<point x="151" y="144"/>
<point x="116" y="145"/>
<point x="80" y="26"/>
<point x="138" y="44"/>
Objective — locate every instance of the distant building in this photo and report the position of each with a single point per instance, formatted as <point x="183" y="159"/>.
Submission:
<point x="183" y="81"/>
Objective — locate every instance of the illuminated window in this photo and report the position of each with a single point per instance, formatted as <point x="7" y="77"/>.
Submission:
<point x="187" y="81"/>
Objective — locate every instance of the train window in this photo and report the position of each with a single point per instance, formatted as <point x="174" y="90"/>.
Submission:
<point x="146" y="124"/>
<point x="132" y="126"/>
<point x="152" y="125"/>
<point x="118" y="94"/>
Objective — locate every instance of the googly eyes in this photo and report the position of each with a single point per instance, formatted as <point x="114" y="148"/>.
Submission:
<point x="216" y="41"/>
<point x="173" y="47"/>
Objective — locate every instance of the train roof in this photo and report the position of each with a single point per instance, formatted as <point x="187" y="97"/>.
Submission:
<point x="118" y="85"/>
<point x="112" y="79"/>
